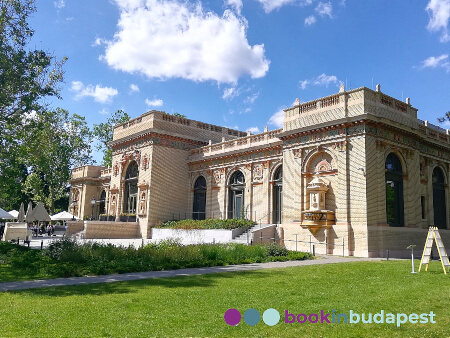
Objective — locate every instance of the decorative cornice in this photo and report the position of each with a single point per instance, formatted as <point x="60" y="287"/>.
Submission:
<point x="157" y="139"/>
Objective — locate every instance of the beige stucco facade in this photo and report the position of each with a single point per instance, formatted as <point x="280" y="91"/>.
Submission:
<point x="346" y="141"/>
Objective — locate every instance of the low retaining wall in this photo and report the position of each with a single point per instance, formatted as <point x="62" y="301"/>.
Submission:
<point x="111" y="230"/>
<point x="15" y="231"/>
<point x="196" y="236"/>
<point x="73" y="227"/>
<point x="397" y="239"/>
<point x="268" y="234"/>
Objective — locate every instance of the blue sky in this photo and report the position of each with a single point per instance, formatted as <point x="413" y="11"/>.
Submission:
<point x="238" y="63"/>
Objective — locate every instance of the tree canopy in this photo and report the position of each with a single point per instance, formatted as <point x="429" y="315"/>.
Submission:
<point x="103" y="133"/>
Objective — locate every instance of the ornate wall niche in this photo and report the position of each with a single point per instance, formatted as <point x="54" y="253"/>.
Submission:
<point x="258" y="172"/>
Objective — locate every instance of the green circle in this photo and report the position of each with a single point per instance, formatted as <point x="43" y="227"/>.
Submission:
<point x="271" y="317"/>
<point x="252" y="317"/>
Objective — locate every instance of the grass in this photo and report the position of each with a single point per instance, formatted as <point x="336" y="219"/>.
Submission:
<point x="195" y="305"/>
<point x="68" y="258"/>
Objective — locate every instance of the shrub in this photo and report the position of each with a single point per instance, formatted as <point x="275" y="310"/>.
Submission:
<point x="190" y="224"/>
<point x="69" y="258"/>
<point x="276" y="250"/>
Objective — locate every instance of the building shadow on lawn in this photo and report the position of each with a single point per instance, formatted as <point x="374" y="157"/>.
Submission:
<point x="123" y="287"/>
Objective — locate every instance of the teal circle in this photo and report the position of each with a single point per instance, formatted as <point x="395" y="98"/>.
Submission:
<point x="252" y="317"/>
<point x="271" y="317"/>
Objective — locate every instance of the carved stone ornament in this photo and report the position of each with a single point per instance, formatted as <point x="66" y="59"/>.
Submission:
<point x="145" y="162"/>
<point x="133" y="155"/>
<point x="258" y="172"/>
<point x="297" y="153"/>
<point x="217" y="176"/>
<point x="323" y="165"/>
<point x="116" y="169"/>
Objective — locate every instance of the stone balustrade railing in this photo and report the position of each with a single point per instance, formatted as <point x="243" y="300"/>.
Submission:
<point x="240" y="143"/>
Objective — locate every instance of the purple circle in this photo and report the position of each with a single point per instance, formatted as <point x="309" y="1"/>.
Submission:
<point x="232" y="317"/>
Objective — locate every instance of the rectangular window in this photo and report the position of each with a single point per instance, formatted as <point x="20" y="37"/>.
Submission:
<point x="422" y="202"/>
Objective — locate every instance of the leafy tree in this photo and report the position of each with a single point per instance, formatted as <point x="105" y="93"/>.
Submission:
<point x="103" y="133"/>
<point x="179" y="115"/>
<point x="27" y="77"/>
<point x="445" y="118"/>
<point x="59" y="142"/>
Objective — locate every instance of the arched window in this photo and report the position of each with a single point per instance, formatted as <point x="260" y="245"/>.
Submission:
<point x="394" y="191"/>
<point x="439" y="201"/>
<point x="199" y="199"/>
<point x="102" y="209"/>
<point x="236" y="195"/>
<point x="277" y="195"/>
<point x="131" y="189"/>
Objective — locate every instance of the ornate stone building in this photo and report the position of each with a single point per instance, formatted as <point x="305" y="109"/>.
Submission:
<point x="356" y="169"/>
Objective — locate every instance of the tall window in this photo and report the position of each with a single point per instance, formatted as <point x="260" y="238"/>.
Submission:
<point x="199" y="198"/>
<point x="131" y="189"/>
<point x="277" y="195"/>
<point x="439" y="202"/>
<point x="236" y="196"/>
<point x="102" y="209"/>
<point x="394" y="191"/>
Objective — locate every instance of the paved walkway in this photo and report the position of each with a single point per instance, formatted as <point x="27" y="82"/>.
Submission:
<point x="9" y="286"/>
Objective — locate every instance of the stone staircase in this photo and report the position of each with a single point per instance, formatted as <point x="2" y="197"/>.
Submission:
<point x="247" y="236"/>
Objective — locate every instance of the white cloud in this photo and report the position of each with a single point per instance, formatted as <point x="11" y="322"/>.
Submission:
<point x="277" y="119"/>
<point x="325" y="80"/>
<point x="439" y="11"/>
<point x="104" y="111"/>
<point x="321" y="80"/>
<point x="252" y="98"/>
<point x="99" y="93"/>
<point x="437" y="62"/>
<point x="174" y="39"/>
<point x="303" y="84"/>
<point x="253" y="130"/>
<point x="270" y="5"/>
<point x="59" y="3"/>
<point x="310" y="20"/>
<point x="230" y="93"/>
<point x="237" y="4"/>
<point x="99" y="42"/>
<point x="154" y="103"/>
<point x="325" y="9"/>
<point x="134" y="88"/>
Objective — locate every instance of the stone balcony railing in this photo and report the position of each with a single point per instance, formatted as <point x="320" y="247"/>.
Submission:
<point x="87" y="171"/>
<point x="106" y="172"/>
<point x="242" y="143"/>
<point x="434" y="132"/>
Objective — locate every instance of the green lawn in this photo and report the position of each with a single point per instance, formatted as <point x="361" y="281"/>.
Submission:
<point x="195" y="305"/>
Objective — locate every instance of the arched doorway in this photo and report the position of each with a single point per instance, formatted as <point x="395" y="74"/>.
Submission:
<point x="102" y="206"/>
<point x="439" y="202"/>
<point x="131" y="188"/>
<point x="199" y="199"/>
<point x="236" y="195"/>
<point x="277" y="195"/>
<point x="394" y="191"/>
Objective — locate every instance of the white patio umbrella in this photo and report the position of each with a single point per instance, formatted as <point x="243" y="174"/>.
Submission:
<point x="14" y="213"/>
<point x="21" y="215"/>
<point x="63" y="216"/>
<point x="5" y="215"/>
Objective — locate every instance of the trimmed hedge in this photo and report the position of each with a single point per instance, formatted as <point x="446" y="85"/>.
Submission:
<point x="190" y="224"/>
